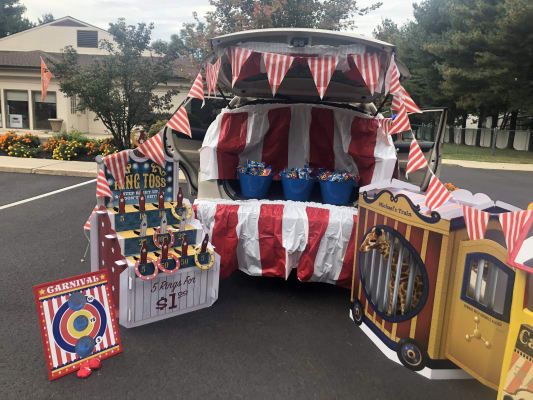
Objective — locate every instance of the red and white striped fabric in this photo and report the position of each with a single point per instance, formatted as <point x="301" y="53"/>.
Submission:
<point x="116" y="165"/>
<point x="238" y="56"/>
<point x="437" y="194"/>
<point x="270" y="238"/>
<point x="197" y="89"/>
<point x="401" y="122"/>
<point x="87" y="225"/>
<point x="405" y="98"/>
<point x="102" y="187"/>
<point x="518" y="379"/>
<point x="476" y="222"/>
<point x="153" y="149"/>
<point x="512" y="225"/>
<point x="276" y="66"/>
<point x="416" y="159"/>
<point x="211" y="76"/>
<point x="369" y="66"/>
<point x="295" y="135"/>
<point x="180" y="122"/>
<point x="322" y="69"/>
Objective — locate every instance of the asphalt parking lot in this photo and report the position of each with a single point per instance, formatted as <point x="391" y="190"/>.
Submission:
<point x="263" y="339"/>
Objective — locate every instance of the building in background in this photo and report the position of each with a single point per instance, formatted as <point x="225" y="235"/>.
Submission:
<point x="20" y="79"/>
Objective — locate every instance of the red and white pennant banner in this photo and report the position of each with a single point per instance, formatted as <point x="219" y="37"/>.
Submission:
<point x="197" y="89"/>
<point x="401" y="122"/>
<point x="437" y="194"/>
<point x="153" y="149"/>
<point x="416" y="159"/>
<point x="369" y="66"/>
<point x="211" y="76"/>
<point x="476" y="222"/>
<point x="116" y="164"/>
<point x="404" y="98"/>
<point x="276" y="66"/>
<point x="102" y="187"/>
<point x="238" y="57"/>
<point x="180" y="122"/>
<point x="512" y="225"/>
<point x="322" y="69"/>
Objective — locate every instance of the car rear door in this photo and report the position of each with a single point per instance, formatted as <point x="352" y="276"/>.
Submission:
<point x="429" y="130"/>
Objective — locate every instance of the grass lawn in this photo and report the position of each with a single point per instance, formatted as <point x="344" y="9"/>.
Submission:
<point x="463" y="152"/>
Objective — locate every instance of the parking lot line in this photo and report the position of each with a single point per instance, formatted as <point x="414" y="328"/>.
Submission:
<point x="16" y="203"/>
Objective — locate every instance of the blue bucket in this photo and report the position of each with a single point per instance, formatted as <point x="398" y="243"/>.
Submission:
<point x="254" y="186"/>
<point x="297" y="189"/>
<point x="336" y="193"/>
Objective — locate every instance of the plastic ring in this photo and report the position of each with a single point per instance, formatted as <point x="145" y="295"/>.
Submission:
<point x="209" y="265"/>
<point x="188" y="212"/>
<point x="160" y="266"/>
<point x="146" y="277"/>
<point x="156" y="241"/>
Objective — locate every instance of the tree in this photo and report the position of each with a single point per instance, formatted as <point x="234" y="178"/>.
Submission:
<point x="237" y="15"/>
<point x="11" y="18"/>
<point x="48" y="17"/>
<point x="119" y="87"/>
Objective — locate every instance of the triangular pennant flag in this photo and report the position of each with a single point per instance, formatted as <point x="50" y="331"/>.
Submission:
<point x="392" y="78"/>
<point x="180" y="122"/>
<point x="512" y="225"/>
<point x="46" y="77"/>
<point x="197" y="89"/>
<point x="153" y="149"/>
<point x="238" y="57"/>
<point x="401" y="122"/>
<point x="87" y="224"/>
<point x="276" y="66"/>
<point x="102" y="187"/>
<point x="476" y="222"/>
<point x="322" y="69"/>
<point x="369" y="66"/>
<point x="522" y="256"/>
<point x="211" y="76"/>
<point x="437" y="194"/>
<point x="416" y="159"/>
<point x="386" y="124"/>
<point x="116" y="164"/>
<point x="405" y="98"/>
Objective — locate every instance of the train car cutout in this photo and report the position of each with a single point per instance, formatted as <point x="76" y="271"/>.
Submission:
<point x="427" y="296"/>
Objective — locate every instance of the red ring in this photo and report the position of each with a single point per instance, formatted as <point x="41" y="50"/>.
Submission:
<point x="144" y="277"/>
<point x="169" y="271"/>
<point x="158" y="244"/>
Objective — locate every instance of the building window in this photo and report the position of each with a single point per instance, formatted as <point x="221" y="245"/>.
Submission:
<point x="88" y="39"/>
<point x="393" y="275"/>
<point x="73" y="104"/>
<point x="43" y="110"/>
<point x="18" y="116"/>
<point x="488" y="285"/>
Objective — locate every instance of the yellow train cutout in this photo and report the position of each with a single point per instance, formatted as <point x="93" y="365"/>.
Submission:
<point x="434" y="300"/>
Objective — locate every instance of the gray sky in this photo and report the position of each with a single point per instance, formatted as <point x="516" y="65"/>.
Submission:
<point x="168" y="15"/>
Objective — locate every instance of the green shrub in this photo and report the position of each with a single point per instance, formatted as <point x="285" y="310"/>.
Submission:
<point x="156" y="127"/>
<point x="19" y="149"/>
<point x="67" y="150"/>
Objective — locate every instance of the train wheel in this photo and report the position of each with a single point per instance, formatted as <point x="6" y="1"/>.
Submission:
<point x="411" y="355"/>
<point x="357" y="312"/>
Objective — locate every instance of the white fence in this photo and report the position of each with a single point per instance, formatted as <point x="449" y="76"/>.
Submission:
<point x="521" y="138"/>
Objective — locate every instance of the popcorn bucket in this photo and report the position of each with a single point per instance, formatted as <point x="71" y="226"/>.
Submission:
<point x="297" y="189"/>
<point x="254" y="186"/>
<point x="336" y="193"/>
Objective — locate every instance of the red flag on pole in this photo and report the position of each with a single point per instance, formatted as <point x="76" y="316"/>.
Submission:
<point x="211" y="76"/>
<point x="437" y="194"/>
<point x="276" y="66"/>
<point x="322" y="69"/>
<point x="102" y="187"/>
<point x="180" y="122"/>
<point x="238" y="57"/>
<point x="87" y="224"/>
<point x="512" y="225"/>
<point x="369" y="65"/>
<point x="116" y="164"/>
<point x="153" y="149"/>
<point x="476" y="222"/>
<point x="46" y="77"/>
<point x="416" y="159"/>
<point x="197" y="89"/>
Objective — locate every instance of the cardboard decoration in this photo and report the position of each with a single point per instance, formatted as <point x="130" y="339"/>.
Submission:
<point x="519" y="376"/>
<point x="77" y="321"/>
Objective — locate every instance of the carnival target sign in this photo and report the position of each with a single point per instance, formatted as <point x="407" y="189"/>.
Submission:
<point x="77" y="322"/>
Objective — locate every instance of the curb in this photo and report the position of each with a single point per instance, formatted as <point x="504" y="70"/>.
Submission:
<point x="489" y="165"/>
